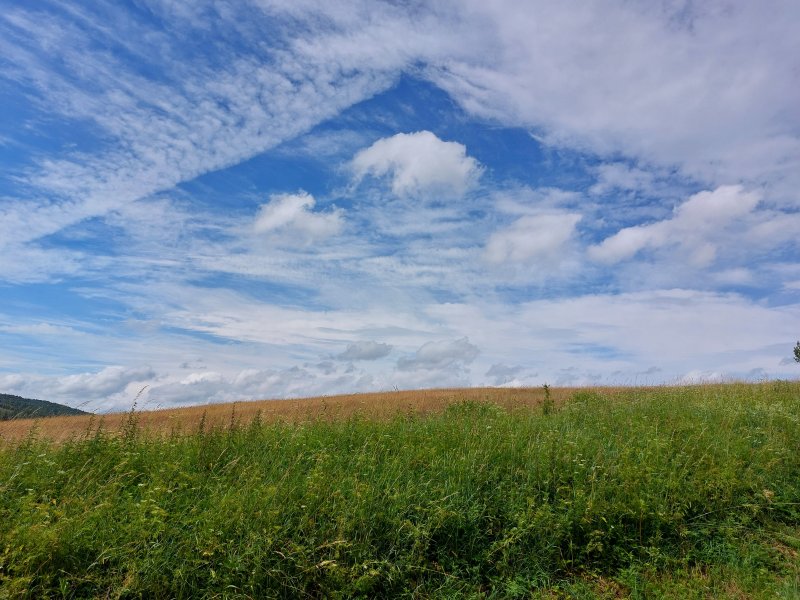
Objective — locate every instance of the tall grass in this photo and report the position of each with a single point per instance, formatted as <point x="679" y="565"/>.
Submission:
<point x="636" y="494"/>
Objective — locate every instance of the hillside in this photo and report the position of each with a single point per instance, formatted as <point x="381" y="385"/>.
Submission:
<point x="666" y="493"/>
<point x="16" y="407"/>
<point x="373" y="406"/>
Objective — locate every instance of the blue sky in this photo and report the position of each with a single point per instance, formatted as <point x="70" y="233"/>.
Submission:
<point x="227" y="200"/>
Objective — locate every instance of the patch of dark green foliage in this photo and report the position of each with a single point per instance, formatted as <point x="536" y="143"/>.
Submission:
<point x="16" y="407"/>
<point x="475" y="502"/>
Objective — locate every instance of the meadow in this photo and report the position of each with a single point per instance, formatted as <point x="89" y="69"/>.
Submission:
<point x="666" y="492"/>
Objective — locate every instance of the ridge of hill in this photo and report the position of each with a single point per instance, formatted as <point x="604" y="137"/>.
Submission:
<point x="17" y="407"/>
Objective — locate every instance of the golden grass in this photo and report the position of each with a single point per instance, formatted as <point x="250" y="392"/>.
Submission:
<point x="383" y="405"/>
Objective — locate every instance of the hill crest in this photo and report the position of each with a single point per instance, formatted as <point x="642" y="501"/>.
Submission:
<point x="17" y="407"/>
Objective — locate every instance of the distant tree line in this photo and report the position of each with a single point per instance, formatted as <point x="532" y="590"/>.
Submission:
<point x="16" y="407"/>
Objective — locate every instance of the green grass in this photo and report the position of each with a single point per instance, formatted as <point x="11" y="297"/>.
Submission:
<point x="673" y="493"/>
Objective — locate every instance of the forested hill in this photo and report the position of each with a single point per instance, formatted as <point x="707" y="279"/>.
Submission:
<point x="15" y="407"/>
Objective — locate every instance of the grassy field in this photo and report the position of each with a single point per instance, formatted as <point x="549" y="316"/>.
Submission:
<point x="376" y="406"/>
<point x="645" y="493"/>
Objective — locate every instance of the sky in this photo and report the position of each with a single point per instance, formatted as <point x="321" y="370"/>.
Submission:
<point x="224" y="200"/>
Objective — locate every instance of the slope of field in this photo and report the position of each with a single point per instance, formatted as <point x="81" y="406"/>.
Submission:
<point x="640" y="493"/>
<point x="16" y="407"/>
<point x="373" y="406"/>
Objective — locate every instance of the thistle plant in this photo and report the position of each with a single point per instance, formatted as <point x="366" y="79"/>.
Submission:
<point x="547" y="404"/>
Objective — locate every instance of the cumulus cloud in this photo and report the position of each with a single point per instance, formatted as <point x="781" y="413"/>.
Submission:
<point x="115" y="388"/>
<point x="697" y="376"/>
<point x="419" y="163"/>
<point x="503" y="374"/>
<point x="451" y="354"/>
<point x="532" y="238"/>
<point x="676" y="330"/>
<point x="110" y="380"/>
<point x="292" y="214"/>
<point x="365" y="351"/>
<point x="693" y="226"/>
<point x="113" y="385"/>
<point x="258" y="384"/>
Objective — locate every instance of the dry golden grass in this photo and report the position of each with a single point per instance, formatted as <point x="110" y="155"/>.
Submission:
<point x="382" y="405"/>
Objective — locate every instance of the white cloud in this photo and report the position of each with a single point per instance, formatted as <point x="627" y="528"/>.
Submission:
<point x="532" y="201"/>
<point x="694" y="227"/>
<point x="639" y="85"/>
<point x="20" y="263"/>
<point x="505" y="375"/>
<point x="419" y="163"/>
<point x="622" y="335"/>
<point x="106" y="382"/>
<point x="260" y="384"/>
<point x="365" y="351"/>
<point x="533" y="239"/>
<point x="88" y="390"/>
<point x="736" y="276"/>
<point x="625" y="337"/>
<point x="696" y="377"/>
<point x="37" y="329"/>
<point x="196" y="117"/>
<point x="711" y="89"/>
<point x="620" y="176"/>
<point x="450" y="354"/>
<point x="202" y="377"/>
<point x="292" y="214"/>
<point x="277" y="333"/>
<point x="114" y="389"/>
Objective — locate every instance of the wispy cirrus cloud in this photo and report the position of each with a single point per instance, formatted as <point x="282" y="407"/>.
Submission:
<point x="195" y="117"/>
<point x="597" y="88"/>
